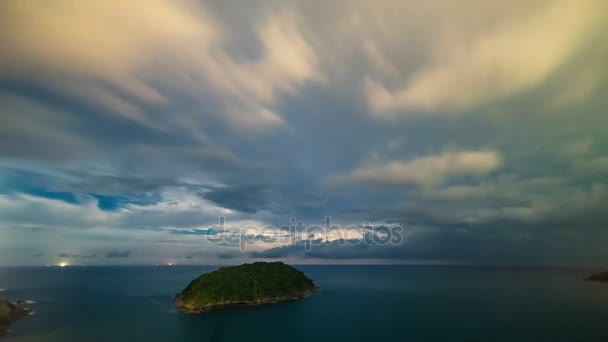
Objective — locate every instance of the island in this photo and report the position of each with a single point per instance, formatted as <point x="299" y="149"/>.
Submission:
<point x="244" y="285"/>
<point x="9" y="313"/>
<point x="602" y="277"/>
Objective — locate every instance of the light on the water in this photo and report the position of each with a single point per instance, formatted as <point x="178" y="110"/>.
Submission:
<point x="63" y="264"/>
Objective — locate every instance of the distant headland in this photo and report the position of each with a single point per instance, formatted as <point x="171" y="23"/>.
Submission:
<point x="245" y="285"/>
<point x="601" y="277"/>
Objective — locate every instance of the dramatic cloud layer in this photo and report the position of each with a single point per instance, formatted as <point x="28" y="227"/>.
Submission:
<point x="477" y="67"/>
<point x="147" y="134"/>
<point x="427" y="171"/>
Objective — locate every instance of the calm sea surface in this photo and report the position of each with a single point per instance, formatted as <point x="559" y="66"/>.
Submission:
<point x="357" y="303"/>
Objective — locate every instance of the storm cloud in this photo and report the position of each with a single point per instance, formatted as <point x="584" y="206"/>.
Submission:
<point x="134" y="131"/>
<point x="118" y="254"/>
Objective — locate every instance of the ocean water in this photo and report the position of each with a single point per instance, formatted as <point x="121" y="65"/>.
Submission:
<point x="356" y="303"/>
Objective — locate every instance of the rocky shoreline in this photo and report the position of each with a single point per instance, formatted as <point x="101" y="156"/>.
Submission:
<point x="216" y="306"/>
<point x="14" y="313"/>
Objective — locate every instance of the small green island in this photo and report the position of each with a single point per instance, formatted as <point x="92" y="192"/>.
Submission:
<point x="601" y="277"/>
<point x="248" y="284"/>
<point x="9" y="313"/>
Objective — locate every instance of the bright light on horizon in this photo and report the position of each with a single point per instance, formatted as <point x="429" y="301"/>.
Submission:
<point x="63" y="264"/>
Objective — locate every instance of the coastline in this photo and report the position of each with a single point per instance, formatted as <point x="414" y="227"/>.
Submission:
<point x="218" y="306"/>
<point x="16" y="313"/>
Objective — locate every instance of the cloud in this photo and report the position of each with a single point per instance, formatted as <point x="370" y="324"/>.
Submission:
<point x="79" y="43"/>
<point x="598" y="165"/>
<point x="428" y="245"/>
<point x="507" y="202"/>
<point x="342" y="248"/>
<point x="204" y="232"/>
<point x="579" y="86"/>
<point x="229" y="255"/>
<point x="76" y="256"/>
<point x="584" y="159"/>
<point x="133" y="128"/>
<point x="426" y="171"/>
<point x="176" y="208"/>
<point x="115" y="55"/>
<point x="577" y="148"/>
<point x="22" y="209"/>
<point x="480" y="67"/>
<point x="36" y="131"/>
<point x="246" y="198"/>
<point x="118" y="254"/>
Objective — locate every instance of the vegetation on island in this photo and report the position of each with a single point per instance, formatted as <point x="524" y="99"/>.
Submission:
<point x="5" y="309"/>
<point x="247" y="284"/>
<point x="603" y="277"/>
<point x="8" y="314"/>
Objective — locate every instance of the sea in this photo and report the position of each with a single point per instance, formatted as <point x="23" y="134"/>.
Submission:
<point x="356" y="303"/>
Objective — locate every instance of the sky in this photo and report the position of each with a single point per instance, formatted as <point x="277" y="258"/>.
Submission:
<point x="474" y="131"/>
